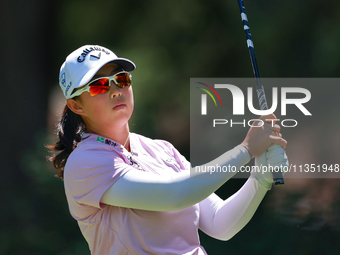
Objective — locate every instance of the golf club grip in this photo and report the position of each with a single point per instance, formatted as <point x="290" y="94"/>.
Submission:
<point x="277" y="176"/>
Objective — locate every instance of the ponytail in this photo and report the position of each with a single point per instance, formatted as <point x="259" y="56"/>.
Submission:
<point x="70" y="129"/>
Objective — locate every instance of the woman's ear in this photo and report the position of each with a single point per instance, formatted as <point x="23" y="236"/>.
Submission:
<point x="75" y="106"/>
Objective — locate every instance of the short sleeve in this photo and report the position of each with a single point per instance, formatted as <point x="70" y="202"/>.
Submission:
<point x="89" y="173"/>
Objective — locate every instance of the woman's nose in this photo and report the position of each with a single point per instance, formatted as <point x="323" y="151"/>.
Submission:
<point x="115" y="90"/>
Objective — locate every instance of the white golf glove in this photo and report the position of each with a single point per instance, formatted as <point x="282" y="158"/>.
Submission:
<point x="274" y="157"/>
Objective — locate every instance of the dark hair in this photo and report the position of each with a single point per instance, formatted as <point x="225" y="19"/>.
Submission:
<point x="70" y="130"/>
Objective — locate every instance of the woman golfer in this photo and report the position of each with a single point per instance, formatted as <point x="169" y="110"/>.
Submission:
<point x="131" y="194"/>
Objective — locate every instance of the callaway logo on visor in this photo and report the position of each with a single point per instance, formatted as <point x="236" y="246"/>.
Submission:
<point x="86" y="51"/>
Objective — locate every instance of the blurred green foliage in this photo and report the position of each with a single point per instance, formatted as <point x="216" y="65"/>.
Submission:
<point x="170" y="42"/>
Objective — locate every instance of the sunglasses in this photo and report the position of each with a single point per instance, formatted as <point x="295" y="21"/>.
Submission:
<point x="102" y="84"/>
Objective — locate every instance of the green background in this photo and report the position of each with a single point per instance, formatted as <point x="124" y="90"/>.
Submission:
<point x="170" y="42"/>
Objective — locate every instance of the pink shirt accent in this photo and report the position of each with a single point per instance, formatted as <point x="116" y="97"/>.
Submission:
<point x="94" y="166"/>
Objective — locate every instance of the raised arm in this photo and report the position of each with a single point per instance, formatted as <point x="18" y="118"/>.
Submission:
<point x="140" y="190"/>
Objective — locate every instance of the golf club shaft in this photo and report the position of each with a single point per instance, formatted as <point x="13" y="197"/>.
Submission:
<point x="277" y="176"/>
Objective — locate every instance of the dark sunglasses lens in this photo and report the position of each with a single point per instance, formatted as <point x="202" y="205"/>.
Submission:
<point x="100" y="86"/>
<point x="123" y="79"/>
